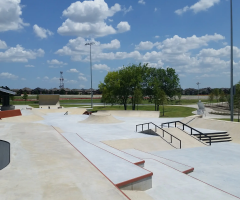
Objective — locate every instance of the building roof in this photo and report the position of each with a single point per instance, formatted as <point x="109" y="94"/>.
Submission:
<point x="7" y="91"/>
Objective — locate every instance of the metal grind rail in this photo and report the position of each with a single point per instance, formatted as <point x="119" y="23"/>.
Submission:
<point x="163" y="131"/>
<point x="191" y="128"/>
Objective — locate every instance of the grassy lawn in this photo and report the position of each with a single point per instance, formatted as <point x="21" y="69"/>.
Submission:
<point x="80" y="101"/>
<point x="228" y="119"/>
<point x="169" y="111"/>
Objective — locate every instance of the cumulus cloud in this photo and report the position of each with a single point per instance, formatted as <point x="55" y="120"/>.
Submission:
<point x="176" y="52"/>
<point x="29" y="66"/>
<point x="10" y="15"/>
<point x="101" y="67"/>
<point x="46" y="78"/>
<point x="19" y="54"/>
<point x="201" y="5"/>
<point x="125" y="10"/>
<point x="56" y="62"/>
<point x="3" y="45"/>
<point x="88" y="19"/>
<point x="73" y="70"/>
<point x="123" y="27"/>
<point x="141" y="2"/>
<point x="146" y="45"/>
<point x="41" y="32"/>
<point x="8" y="75"/>
<point x="82" y="78"/>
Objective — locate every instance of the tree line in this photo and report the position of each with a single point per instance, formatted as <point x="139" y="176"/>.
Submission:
<point x="133" y="83"/>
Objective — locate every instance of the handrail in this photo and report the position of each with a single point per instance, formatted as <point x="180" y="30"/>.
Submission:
<point x="200" y="133"/>
<point x="156" y="126"/>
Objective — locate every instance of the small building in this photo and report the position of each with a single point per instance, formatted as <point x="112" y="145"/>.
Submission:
<point x="5" y="95"/>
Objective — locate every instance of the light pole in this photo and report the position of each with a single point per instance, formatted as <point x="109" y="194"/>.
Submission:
<point x="231" y="16"/>
<point x="90" y="44"/>
<point x="198" y="90"/>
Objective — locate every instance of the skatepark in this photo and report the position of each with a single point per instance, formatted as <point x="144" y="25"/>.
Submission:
<point x="63" y="154"/>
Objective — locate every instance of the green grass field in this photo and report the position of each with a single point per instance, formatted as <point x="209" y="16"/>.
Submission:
<point x="228" y="119"/>
<point x="169" y="111"/>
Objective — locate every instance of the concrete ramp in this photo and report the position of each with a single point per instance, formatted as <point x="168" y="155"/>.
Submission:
<point x="148" y="144"/>
<point x="121" y="172"/>
<point x="232" y="128"/>
<point x="132" y="113"/>
<point x="187" y="140"/>
<point x="48" y="100"/>
<point x="100" y="118"/>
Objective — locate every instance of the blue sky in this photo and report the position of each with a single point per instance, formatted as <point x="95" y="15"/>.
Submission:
<point x="40" y="38"/>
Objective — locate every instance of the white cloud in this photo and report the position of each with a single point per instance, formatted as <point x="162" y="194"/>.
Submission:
<point x="3" y="45"/>
<point x="82" y="78"/>
<point x="87" y="19"/>
<point x="10" y="12"/>
<point x="123" y="27"/>
<point x="201" y="5"/>
<point x="19" y="54"/>
<point x="146" y="45"/>
<point x="155" y="9"/>
<point x="55" y="66"/>
<point x="111" y="20"/>
<point x="125" y="11"/>
<point x="23" y="79"/>
<point x="29" y="66"/>
<point x="56" y="62"/>
<point x="77" y="50"/>
<point x="72" y="81"/>
<point x="157" y="36"/>
<point x="81" y="74"/>
<point x="73" y="70"/>
<point x="55" y="79"/>
<point x="101" y="67"/>
<point x="223" y="52"/>
<point x="38" y="77"/>
<point x="46" y="78"/>
<point x="41" y="32"/>
<point x="141" y="2"/>
<point x="8" y="75"/>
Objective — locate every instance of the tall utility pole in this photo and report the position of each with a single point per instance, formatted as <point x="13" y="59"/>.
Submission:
<point x="198" y="90"/>
<point x="90" y="44"/>
<point x="231" y="60"/>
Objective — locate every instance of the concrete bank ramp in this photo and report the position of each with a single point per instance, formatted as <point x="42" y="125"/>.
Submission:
<point x="122" y="173"/>
<point x="71" y="111"/>
<point x="233" y="128"/>
<point x="100" y="118"/>
<point x="148" y="144"/>
<point x="45" y="166"/>
<point x="187" y="141"/>
<point x="170" y="184"/>
<point x="49" y="99"/>
<point x="175" y="165"/>
<point x="132" y="113"/>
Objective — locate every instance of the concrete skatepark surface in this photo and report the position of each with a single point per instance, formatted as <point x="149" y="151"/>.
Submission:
<point x="100" y="118"/>
<point x="44" y="165"/>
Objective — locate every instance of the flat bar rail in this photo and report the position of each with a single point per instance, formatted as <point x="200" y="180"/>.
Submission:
<point x="164" y="131"/>
<point x="191" y="128"/>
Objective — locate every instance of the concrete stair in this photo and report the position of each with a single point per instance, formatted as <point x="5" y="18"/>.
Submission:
<point x="123" y="173"/>
<point x="215" y="137"/>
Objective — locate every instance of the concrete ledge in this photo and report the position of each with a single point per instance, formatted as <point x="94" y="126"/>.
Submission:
<point x="140" y="185"/>
<point x="10" y="113"/>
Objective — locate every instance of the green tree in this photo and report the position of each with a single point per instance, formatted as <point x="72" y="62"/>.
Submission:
<point x="222" y="97"/>
<point x="237" y="99"/>
<point x="138" y="96"/>
<point x="216" y="93"/>
<point x="162" y="99"/>
<point x="25" y="96"/>
<point x="211" y="97"/>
